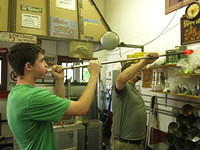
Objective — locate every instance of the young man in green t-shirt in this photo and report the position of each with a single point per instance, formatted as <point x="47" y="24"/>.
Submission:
<point x="31" y="110"/>
<point x="129" y="113"/>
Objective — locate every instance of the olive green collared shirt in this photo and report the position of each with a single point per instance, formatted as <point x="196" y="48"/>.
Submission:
<point x="129" y="114"/>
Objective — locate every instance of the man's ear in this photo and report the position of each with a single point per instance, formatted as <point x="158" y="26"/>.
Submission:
<point x="28" y="66"/>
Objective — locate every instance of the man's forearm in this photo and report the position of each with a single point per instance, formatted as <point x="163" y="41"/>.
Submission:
<point x="131" y="71"/>
<point x="88" y="94"/>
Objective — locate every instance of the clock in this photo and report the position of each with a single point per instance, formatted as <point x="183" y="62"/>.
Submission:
<point x="192" y="11"/>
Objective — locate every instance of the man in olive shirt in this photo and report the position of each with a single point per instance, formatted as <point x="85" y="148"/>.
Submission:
<point x="129" y="113"/>
<point x="31" y="110"/>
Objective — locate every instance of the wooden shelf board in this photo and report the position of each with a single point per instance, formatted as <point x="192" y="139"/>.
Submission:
<point x="174" y="94"/>
<point x="191" y="74"/>
<point x="162" y="66"/>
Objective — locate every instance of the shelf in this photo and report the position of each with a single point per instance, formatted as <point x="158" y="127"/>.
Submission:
<point x="191" y="74"/>
<point x="17" y="37"/>
<point x="162" y="66"/>
<point x="40" y="37"/>
<point x="28" y="38"/>
<point x="181" y="95"/>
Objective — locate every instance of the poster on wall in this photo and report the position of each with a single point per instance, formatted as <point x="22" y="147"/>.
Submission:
<point x="190" y="31"/>
<point x="80" y="49"/>
<point x="66" y="4"/>
<point x="31" y="21"/>
<point x="60" y="27"/>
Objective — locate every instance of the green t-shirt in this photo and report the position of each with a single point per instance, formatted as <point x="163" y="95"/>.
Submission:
<point x="129" y="114"/>
<point x="30" y="112"/>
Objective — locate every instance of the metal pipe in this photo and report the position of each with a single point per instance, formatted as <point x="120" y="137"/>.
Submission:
<point x="129" y="59"/>
<point x="131" y="46"/>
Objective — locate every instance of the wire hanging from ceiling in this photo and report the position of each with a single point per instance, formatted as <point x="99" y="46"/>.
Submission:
<point x="161" y="33"/>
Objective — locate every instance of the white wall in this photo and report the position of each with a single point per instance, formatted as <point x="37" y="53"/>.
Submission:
<point x="138" y="22"/>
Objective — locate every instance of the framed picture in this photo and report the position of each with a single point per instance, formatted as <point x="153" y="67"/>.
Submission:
<point x="172" y="5"/>
<point x="190" y="31"/>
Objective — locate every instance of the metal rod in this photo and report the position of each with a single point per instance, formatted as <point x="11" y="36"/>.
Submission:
<point x="130" y="45"/>
<point x="116" y="61"/>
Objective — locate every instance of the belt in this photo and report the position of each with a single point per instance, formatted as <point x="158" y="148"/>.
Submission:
<point x="128" y="141"/>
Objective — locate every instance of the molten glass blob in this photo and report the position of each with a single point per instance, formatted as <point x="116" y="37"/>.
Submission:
<point x="187" y="52"/>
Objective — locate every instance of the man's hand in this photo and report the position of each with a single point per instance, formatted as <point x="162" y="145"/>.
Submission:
<point x="94" y="67"/>
<point x="152" y="57"/>
<point x="57" y="71"/>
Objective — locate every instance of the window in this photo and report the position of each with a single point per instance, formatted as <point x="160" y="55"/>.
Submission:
<point x="68" y="73"/>
<point x="84" y="73"/>
<point x="68" y="61"/>
<point x="172" y="5"/>
<point x="79" y="74"/>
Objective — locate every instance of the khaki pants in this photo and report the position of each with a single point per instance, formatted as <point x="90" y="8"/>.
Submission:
<point x="117" y="145"/>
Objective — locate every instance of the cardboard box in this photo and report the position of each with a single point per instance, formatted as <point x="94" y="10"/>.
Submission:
<point x="63" y="18"/>
<point x="4" y="15"/>
<point x="29" y="16"/>
<point x="91" y="25"/>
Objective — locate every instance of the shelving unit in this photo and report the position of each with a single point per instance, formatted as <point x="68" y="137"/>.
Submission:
<point x="31" y="38"/>
<point x="176" y="94"/>
<point x="178" y="74"/>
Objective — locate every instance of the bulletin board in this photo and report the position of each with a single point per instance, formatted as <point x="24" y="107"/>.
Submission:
<point x="63" y="18"/>
<point x="29" y="17"/>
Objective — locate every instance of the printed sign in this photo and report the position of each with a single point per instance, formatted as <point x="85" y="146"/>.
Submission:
<point x="15" y="37"/>
<point x="66" y="4"/>
<point x="60" y="27"/>
<point x="31" y="21"/>
<point x="32" y="9"/>
<point x="13" y="76"/>
<point x="190" y="31"/>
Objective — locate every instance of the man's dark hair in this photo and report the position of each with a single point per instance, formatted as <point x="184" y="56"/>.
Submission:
<point x="126" y="65"/>
<point x="21" y="53"/>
